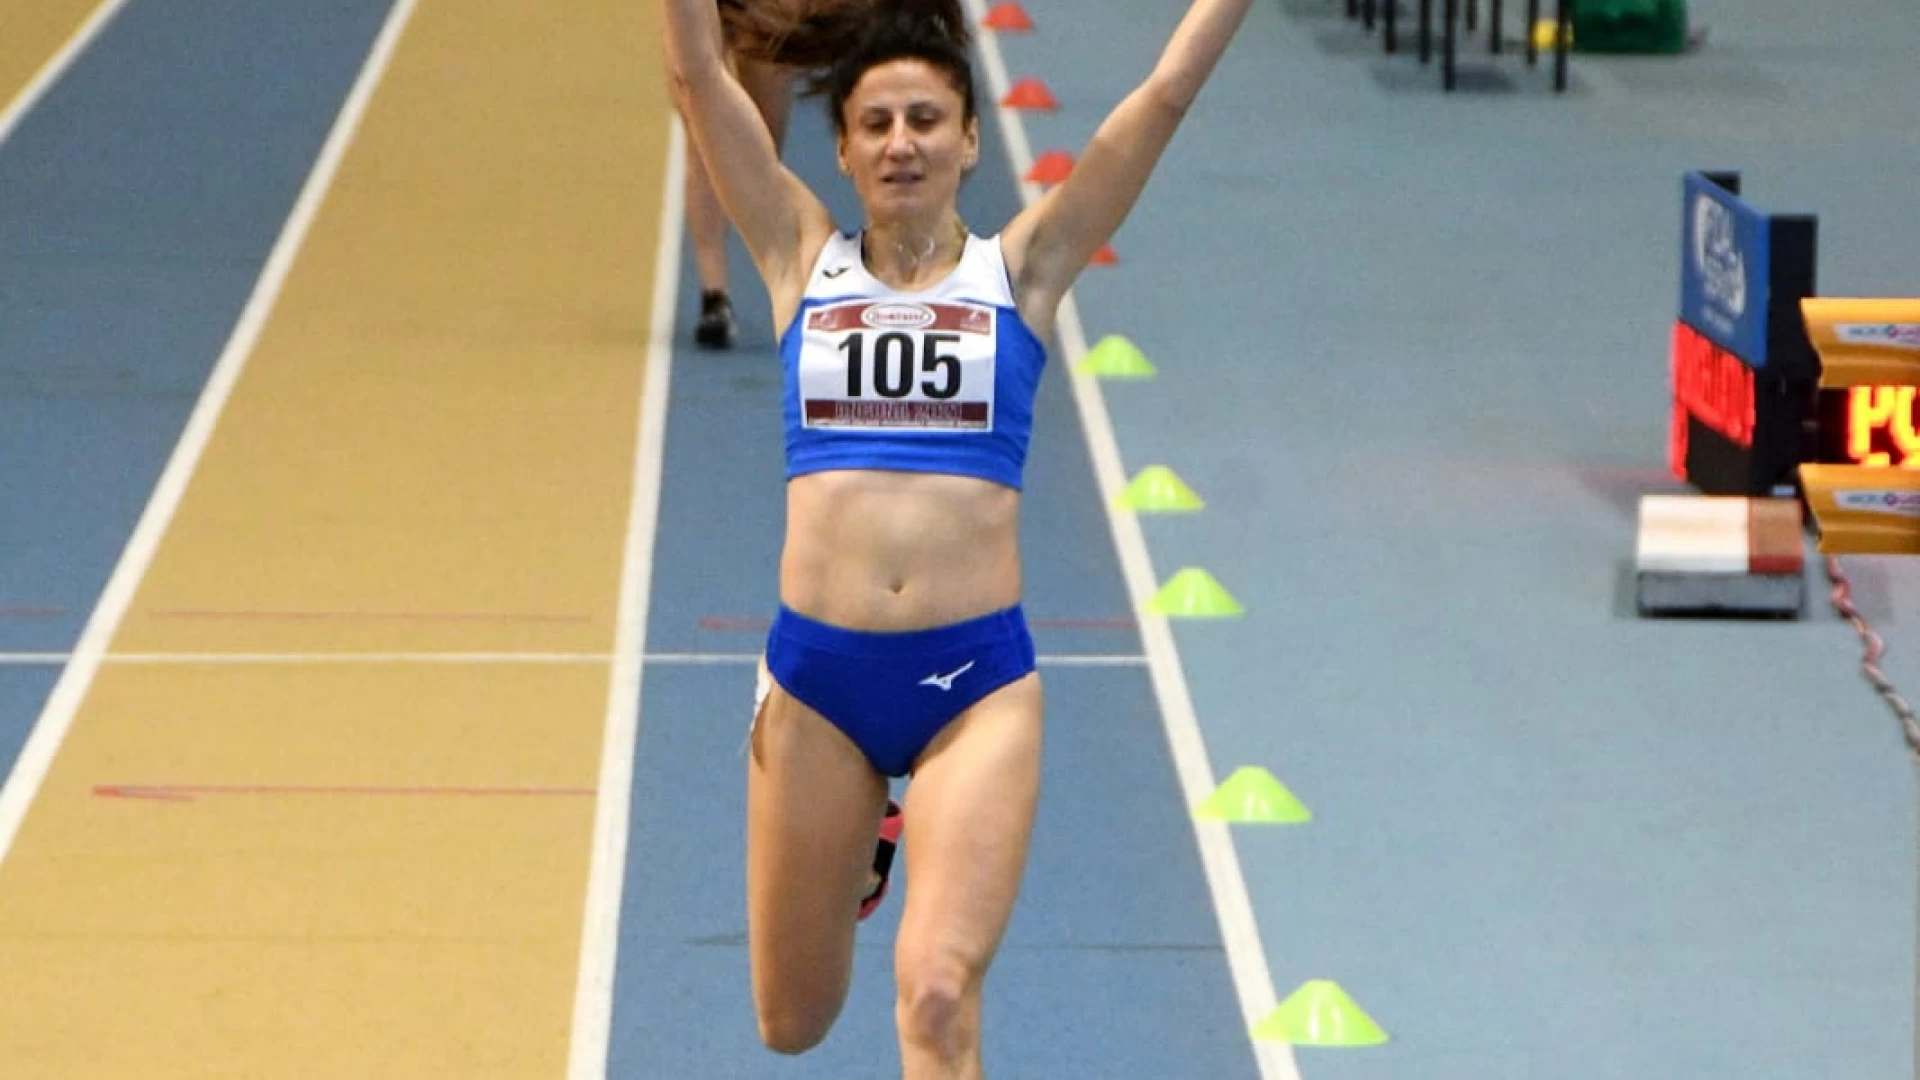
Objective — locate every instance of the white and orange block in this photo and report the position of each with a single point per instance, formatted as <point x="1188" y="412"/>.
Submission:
<point x="1731" y="555"/>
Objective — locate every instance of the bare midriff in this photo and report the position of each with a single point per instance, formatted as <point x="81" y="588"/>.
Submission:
<point x="894" y="551"/>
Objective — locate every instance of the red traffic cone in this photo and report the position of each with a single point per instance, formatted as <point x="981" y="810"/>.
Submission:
<point x="1050" y="167"/>
<point x="1007" y="15"/>
<point x="1029" y="94"/>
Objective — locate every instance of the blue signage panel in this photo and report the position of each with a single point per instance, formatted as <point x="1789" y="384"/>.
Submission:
<point x="1724" y="268"/>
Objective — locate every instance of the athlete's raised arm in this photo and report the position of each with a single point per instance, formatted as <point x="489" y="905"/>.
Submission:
<point x="773" y="210"/>
<point x="1050" y="242"/>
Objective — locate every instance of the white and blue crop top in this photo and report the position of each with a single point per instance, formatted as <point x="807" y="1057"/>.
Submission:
<point x="940" y="380"/>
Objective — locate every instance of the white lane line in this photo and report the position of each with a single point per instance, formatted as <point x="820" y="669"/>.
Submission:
<point x="600" y="935"/>
<point x="56" y="66"/>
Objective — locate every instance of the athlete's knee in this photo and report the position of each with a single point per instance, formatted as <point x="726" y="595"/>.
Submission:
<point x="796" y="1009"/>
<point x="792" y="1031"/>
<point x="939" y="1007"/>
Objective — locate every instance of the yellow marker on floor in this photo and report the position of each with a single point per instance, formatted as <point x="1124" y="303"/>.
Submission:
<point x="1253" y="796"/>
<point x="1193" y="593"/>
<point x="1159" y="490"/>
<point x="1320" y="1013"/>
<point x="1114" y="357"/>
<point x="1543" y="34"/>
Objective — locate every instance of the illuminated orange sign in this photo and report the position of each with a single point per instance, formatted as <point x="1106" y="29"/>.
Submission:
<point x="1880" y="427"/>
<point x="1868" y="499"/>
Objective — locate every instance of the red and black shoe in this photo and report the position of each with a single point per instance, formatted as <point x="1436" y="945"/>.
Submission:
<point x="890" y="826"/>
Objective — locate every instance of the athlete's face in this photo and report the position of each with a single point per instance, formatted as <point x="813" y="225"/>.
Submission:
<point x="907" y="140"/>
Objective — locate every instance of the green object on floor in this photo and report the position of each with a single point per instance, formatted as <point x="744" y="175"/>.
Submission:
<point x="1629" y="26"/>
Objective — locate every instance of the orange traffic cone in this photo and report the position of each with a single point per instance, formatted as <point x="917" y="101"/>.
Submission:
<point x="1007" y="15"/>
<point x="1029" y="94"/>
<point x="1050" y="167"/>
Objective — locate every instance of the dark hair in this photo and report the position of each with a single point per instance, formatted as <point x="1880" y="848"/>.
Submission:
<point x="835" y="42"/>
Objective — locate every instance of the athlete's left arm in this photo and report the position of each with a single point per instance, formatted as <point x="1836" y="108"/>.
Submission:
<point x="1050" y="242"/>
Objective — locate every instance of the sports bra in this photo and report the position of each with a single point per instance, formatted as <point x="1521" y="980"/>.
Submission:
<point x="940" y="380"/>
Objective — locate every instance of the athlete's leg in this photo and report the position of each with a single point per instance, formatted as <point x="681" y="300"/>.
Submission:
<point x="969" y="814"/>
<point x="771" y="88"/>
<point x="706" y="227"/>
<point x="707" y="233"/>
<point x="813" y="805"/>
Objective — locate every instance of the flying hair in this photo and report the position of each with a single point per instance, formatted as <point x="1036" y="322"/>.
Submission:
<point x="834" y="42"/>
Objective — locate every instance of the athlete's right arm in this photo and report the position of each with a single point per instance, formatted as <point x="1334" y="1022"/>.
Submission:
<point x="776" y="214"/>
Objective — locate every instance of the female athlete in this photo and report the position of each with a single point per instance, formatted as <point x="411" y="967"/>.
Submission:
<point x="912" y="349"/>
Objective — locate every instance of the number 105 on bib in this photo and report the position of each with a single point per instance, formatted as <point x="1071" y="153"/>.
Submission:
<point x="896" y="364"/>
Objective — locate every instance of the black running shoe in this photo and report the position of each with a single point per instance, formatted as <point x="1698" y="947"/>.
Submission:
<point x="715" y="329"/>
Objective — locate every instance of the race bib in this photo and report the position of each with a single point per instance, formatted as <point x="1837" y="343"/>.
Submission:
<point x="898" y="364"/>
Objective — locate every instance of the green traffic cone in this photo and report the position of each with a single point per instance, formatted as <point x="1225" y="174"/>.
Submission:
<point x="1114" y="357"/>
<point x="1253" y="796"/>
<point x="1194" y="594"/>
<point x="1320" y="1014"/>
<point x="1159" y="490"/>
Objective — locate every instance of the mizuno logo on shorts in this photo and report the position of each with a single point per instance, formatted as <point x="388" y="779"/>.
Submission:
<point x="945" y="682"/>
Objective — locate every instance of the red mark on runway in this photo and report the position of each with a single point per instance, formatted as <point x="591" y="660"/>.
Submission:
<point x="731" y="622"/>
<point x="391" y="616"/>
<point x="747" y="623"/>
<point x="25" y="612"/>
<point x="190" y="792"/>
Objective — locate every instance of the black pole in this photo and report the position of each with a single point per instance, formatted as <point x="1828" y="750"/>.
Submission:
<point x="1562" y="31"/>
<point x="1426" y="31"/>
<point x="1493" y="21"/>
<point x="1446" y="43"/>
<point x="1533" y="20"/>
